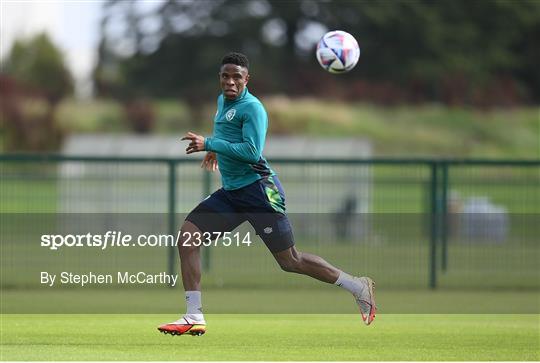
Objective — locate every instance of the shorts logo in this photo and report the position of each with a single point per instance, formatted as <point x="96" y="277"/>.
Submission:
<point x="268" y="230"/>
<point x="230" y="114"/>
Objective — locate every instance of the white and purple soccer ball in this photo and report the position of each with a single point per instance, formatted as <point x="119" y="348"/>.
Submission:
<point x="338" y="52"/>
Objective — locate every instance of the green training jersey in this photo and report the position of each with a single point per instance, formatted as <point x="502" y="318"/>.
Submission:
<point x="239" y="133"/>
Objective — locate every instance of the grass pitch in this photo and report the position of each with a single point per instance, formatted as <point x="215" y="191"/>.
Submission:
<point x="273" y="337"/>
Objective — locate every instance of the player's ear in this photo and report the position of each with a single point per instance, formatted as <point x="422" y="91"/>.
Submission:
<point x="247" y="78"/>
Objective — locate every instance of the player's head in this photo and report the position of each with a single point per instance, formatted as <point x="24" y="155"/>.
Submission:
<point x="233" y="74"/>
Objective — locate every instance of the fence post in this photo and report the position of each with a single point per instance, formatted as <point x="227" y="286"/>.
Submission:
<point x="207" y="189"/>
<point x="444" y="217"/>
<point x="172" y="215"/>
<point x="433" y="226"/>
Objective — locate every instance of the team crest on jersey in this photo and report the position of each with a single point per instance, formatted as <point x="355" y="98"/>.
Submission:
<point x="230" y="114"/>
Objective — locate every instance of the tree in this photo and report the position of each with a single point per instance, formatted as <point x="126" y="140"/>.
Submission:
<point x="37" y="63"/>
<point x="36" y="80"/>
<point x="449" y="50"/>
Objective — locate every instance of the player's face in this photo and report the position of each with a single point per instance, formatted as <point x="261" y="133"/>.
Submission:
<point x="233" y="80"/>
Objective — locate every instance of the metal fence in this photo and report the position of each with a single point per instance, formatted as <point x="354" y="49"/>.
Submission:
<point x="408" y="222"/>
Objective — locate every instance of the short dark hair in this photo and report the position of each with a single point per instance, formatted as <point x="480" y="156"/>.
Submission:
<point x="235" y="58"/>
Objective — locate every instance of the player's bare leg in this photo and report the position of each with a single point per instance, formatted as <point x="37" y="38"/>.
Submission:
<point x="362" y="288"/>
<point x="192" y="322"/>
<point x="292" y="260"/>
<point x="190" y="257"/>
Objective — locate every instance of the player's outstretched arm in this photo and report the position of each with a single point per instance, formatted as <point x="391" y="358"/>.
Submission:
<point x="245" y="151"/>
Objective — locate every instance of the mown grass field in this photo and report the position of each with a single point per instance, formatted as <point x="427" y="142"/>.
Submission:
<point x="325" y="299"/>
<point x="273" y="338"/>
<point x="274" y="325"/>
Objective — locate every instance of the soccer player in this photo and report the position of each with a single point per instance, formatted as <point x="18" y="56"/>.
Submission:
<point x="251" y="191"/>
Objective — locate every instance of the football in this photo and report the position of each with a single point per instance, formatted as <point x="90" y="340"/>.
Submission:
<point x="338" y="52"/>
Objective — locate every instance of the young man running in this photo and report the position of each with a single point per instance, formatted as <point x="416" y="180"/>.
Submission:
<point x="251" y="191"/>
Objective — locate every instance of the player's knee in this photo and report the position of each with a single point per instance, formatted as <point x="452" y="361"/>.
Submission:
<point x="291" y="264"/>
<point x="285" y="266"/>
<point x="289" y="260"/>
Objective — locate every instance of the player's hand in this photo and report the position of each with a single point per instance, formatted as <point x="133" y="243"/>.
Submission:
<point x="210" y="161"/>
<point x="196" y="142"/>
